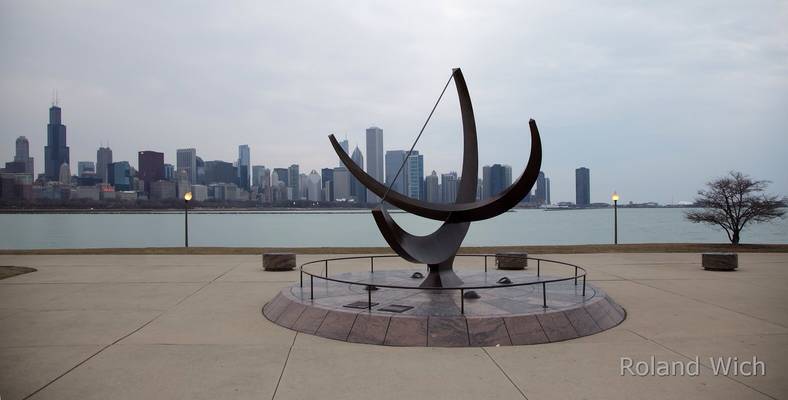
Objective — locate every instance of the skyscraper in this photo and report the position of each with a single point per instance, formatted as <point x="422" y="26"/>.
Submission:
<point x="542" y="192"/>
<point x="186" y="160"/>
<point x="64" y="174"/>
<point x="341" y="184"/>
<point x="103" y="159"/>
<point x="280" y="175"/>
<point x="328" y="184"/>
<point x="151" y="165"/>
<point x="56" y="152"/>
<point x="169" y="172"/>
<point x="374" y="158"/>
<point x="243" y="166"/>
<point x="313" y="186"/>
<point x="260" y="177"/>
<point x="119" y="175"/>
<point x="345" y="145"/>
<point x="496" y="178"/>
<point x="449" y="184"/>
<point x="415" y="175"/>
<point x="293" y="181"/>
<point x="582" y="187"/>
<point x="85" y="168"/>
<point x="432" y="188"/>
<point x="394" y="160"/>
<point x="23" y="154"/>
<point x="357" y="190"/>
<point x="220" y="172"/>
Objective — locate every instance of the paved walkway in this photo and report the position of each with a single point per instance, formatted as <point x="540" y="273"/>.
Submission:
<point x="190" y="327"/>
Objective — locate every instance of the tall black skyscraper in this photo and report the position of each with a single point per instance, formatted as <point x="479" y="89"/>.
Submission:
<point x="56" y="151"/>
<point x="582" y="187"/>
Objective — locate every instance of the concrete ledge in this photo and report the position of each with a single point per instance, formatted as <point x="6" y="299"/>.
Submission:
<point x="720" y="261"/>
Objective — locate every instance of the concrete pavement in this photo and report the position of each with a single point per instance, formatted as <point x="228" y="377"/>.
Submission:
<point x="190" y="327"/>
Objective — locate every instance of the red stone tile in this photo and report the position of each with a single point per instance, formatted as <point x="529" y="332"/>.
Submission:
<point x="407" y="331"/>
<point x="557" y="326"/>
<point x="336" y="325"/>
<point x="310" y="320"/>
<point x="369" y="328"/>
<point x="290" y="315"/>
<point x="525" y="329"/>
<point x="488" y="332"/>
<point x="582" y="322"/>
<point x="447" y="332"/>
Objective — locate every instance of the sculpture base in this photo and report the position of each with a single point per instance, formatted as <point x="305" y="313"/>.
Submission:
<point x="416" y="317"/>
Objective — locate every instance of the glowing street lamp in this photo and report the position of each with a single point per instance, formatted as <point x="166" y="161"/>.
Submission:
<point x="186" y="197"/>
<point x="614" y="197"/>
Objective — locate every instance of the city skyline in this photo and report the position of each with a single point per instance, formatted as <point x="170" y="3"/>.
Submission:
<point x="656" y="112"/>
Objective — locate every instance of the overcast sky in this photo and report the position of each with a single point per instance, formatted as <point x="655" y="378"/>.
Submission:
<point x="655" y="98"/>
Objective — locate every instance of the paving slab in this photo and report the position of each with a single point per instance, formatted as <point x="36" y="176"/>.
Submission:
<point x="331" y="369"/>
<point x="25" y="369"/>
<point x="174" y="372"/>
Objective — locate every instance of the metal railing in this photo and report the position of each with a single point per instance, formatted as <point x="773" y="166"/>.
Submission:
<point x="579" y="272"/>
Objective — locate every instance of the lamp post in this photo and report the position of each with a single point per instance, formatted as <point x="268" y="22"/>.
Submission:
<point x="615" y="217"/>
<point x="186" y="197"/>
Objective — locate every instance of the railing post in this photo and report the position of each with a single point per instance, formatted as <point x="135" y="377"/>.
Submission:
<point x="485" y="263"/>
<point x="538" y="268"/>
<point x="302" y="278"/>
<point x="372" y="264"/>
<point x="462" y="301"/>
<point x="369" y="298"/>
<point x="575" y="275"/>
<point x="584" y="286"/>
<point x="311" y="287"/>
<point x="326" y="274"/>
<point x="544" y="294"/>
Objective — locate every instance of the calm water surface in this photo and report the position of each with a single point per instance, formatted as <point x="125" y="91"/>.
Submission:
<point x="326" y="229"/>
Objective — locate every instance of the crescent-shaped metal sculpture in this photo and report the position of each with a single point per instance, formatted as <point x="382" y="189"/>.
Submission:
<point x="439" y="248"/>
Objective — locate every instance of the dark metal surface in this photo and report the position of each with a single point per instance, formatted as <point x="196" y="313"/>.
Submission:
<point x="439" y="248"/>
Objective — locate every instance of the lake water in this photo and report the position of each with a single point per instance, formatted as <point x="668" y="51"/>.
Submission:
<point x="356" y="228"/>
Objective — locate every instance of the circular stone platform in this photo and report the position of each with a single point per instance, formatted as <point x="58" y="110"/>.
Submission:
<point x="412" y="317"/>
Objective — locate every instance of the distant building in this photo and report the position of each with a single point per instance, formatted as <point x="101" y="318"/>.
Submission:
<point x="220" y="172"/>
<point x="85" y="168"/>
<point x="120" y="176"/>
<point x="394" y="161"/>
<point x="314" y="186"/>
<point x="183" y="184"/>
<point x="449" y="184"/>
<point x="201" y="171"/>
<point x="163" y="190"/>
<point x="293" y="182"/>
<point x="86" y="192"/>
<point x="375" y="161"/>
<point x="303" y="191"/>
<point x="244" y="164"/>
<point x="582" y="187"/>
<point x="327" y="175"/>
<point x="56" y="152"/>
<point x="261" y="176"/>
<point x="542" y="193"/>
<point x="186" y="160"/>
<point x="497" y="178"/>
<point x="64" y="177"/>
<point x="432" y="192"/>
<point x="280" y="175"/>
<point x="415" y="175"/>
<point x="357" y="190"/>
<point x="151" y="164"/>
<point x="199" y="192"/>
<point x="345" y="145"/>
<point x="341" y="184"/>
<point x="103" y="160"/>
<point x="169" y="172"/>
<point x="22" y="154"/>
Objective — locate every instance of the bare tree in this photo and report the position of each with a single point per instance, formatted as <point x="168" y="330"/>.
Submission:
<point x="733" y="201"/>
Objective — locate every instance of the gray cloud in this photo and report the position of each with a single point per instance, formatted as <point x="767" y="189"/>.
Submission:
<point x="655" y="98"/>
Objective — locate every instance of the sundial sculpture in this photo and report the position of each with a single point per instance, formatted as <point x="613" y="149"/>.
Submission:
<point x="439" y="248"/>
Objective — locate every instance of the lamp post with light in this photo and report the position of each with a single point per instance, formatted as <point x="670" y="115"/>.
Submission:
<point x="186" y="197"/>
<point x="615" y="217"/>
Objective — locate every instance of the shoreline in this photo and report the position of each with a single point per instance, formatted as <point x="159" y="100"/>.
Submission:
<point x="533" y="249"/>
